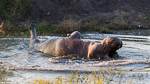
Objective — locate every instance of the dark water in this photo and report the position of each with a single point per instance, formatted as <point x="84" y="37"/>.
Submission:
<point x="14" y="52"/>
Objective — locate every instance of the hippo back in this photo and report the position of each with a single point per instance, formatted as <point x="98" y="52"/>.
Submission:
<point x="65" y="46"/>
<point x="74" y="35"/>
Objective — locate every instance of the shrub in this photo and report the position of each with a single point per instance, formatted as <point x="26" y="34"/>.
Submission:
<point x="14" y="9"/>
<point x="11" y="29"/>
<point x="44" y="28"/>
<point x="68" y="26"/>
<point x="118" y="23"/>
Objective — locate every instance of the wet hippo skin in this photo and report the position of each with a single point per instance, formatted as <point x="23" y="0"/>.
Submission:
<point x="73" y="45"/>
<point x="74" y="35"/>
<point x="114" y="44"/>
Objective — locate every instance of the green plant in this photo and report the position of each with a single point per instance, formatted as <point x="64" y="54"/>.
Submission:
<point x="44" y="28"/>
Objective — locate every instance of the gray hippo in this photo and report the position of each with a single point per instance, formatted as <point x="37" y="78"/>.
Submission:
<point x="73" y="45"/>
<point x="74" y="35"/>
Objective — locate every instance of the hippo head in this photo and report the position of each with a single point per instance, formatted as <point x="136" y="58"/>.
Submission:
<point x="74" y="35"/>
<point x="113" y="43"/>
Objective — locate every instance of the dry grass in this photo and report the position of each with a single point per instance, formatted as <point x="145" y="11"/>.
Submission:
<point x="10" y="29"/>
<point x="101" y="77"/>
<point x="105" y="75"/>
<point x="3" y="76"/>
<point x="118" y="23"/>
<point x="66" y="26"/>
<point x="1" y="26"/>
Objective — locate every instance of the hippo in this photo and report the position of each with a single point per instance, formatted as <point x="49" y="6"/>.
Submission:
<point x="74" y="45"/>
<point x="74" y="35"/>
<point x="114" y="44"/>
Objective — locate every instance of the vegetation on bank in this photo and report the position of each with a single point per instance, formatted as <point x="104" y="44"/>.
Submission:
<point x="3" y="76"/>
<point x="99" y="77"/>
<point x="9" y="28"/>
<point x="13" y="11"/>
<point x="103" y="76"/>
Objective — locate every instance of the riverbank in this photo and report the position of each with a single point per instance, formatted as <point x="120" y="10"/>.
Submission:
<point x="63" y="17"/>
<point x="49" y="31"/>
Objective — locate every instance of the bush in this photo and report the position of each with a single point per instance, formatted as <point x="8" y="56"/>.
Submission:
<point x="118" y="23"/>
<point x="68" y="26"/>
<point x="14" y="9"/>
<point x="44" y="28"/>
<point x="10" y="29"/>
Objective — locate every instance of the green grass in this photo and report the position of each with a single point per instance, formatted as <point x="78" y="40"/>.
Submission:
<point x="44" y="28"/>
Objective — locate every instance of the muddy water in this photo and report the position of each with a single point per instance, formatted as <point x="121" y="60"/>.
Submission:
<point x="31" y="65"/>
